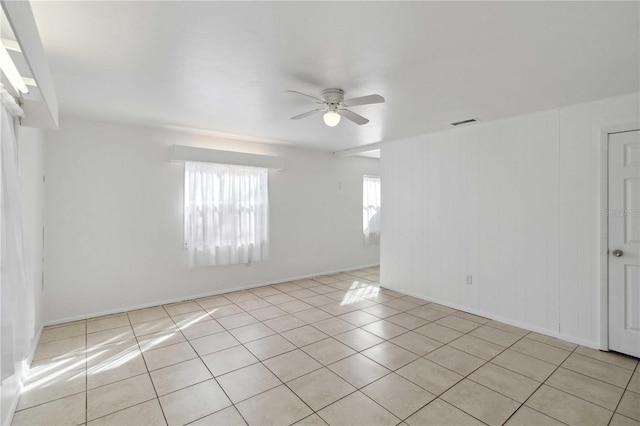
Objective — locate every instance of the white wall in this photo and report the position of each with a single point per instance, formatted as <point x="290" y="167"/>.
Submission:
<point x="515" y="204"/>
<point x="31" y="159"/>
<point x="114" y="236"/>
<point x="31" y="169"/>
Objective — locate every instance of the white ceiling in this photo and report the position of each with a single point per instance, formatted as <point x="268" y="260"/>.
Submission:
<point x="224" y="66"/>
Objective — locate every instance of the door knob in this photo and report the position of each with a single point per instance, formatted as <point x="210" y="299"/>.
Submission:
<point x="617" y="253"/>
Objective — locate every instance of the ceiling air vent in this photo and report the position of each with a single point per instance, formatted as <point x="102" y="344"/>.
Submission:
<point x="469" y="121"/>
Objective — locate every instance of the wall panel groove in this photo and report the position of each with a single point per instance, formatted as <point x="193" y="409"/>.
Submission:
<point x="515" y="203"/>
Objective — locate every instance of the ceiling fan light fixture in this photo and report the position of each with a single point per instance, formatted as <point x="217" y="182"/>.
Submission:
<point x="331" y="118"/>
<point x="333" y="106"/>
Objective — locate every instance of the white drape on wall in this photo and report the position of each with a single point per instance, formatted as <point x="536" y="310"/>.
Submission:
<point x="226" y="211"/>
<point x="371" y="210"/>
<point x="16" y="307"/>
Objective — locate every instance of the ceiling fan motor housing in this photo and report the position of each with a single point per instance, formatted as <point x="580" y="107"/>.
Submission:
<point x="333" y="97"/>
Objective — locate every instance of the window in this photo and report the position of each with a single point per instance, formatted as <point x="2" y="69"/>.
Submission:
<point x="371" y="210"/>
<point x="226" y="214"/>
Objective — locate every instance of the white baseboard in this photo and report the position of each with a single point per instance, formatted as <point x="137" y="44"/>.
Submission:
<point x="547" y="332"/>
<point x="196" y="296"/>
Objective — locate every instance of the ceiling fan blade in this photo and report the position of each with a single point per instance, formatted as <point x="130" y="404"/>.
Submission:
<point x="306" y="114"/>
<point x="356" y="118"/>
<point x="364" y="100"/>
<point x="305" y="95"/>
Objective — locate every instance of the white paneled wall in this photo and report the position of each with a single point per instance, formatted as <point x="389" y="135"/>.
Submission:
<point x="513" y="203"/>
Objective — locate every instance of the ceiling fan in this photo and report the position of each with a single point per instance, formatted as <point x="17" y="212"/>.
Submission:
<point x="334" y="106"/>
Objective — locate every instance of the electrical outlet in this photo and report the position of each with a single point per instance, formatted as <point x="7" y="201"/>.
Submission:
<point x="469" y="279"/>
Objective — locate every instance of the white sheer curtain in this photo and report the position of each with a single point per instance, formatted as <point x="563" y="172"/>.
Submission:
<point x="226" y="211"/>
<point x="371" y="210"/>
<point x="15" y="305"/>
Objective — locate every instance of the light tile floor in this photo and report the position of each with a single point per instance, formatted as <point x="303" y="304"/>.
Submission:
<point x="335" y="349"/>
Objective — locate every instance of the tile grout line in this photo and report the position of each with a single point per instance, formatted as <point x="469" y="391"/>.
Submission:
<point x="148" y="371"/>
<point x="260" y="361"/>
<point x="384" y="340"/>
<point x="357" y="389"/>
<point x="489" y="361"/>
<point x="540" y="386"/>
<point x="213" y="377"/>
<point x="334" y="337"/>
<point x="337" y="315"/>
<point x="319" y="368"/>
<point x="622" y="396"/>
<point x="486" y="387"/>
<point x="579" y="397"/>
<point x="136" y="338"/>
<point x="390" y="370"/>
<point x="439" y="396"/>
<point x="239" y="344"/>
<point x="606" y="362"/>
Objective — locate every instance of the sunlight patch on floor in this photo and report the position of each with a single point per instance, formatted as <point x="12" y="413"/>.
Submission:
<point x="358" y="292"/>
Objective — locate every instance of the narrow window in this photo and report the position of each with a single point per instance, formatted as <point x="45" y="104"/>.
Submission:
<point x="371" y="210"/>
<point x="226" y="214"/>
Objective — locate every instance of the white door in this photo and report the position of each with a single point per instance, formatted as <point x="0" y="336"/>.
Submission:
<point x="624" y="242"/>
